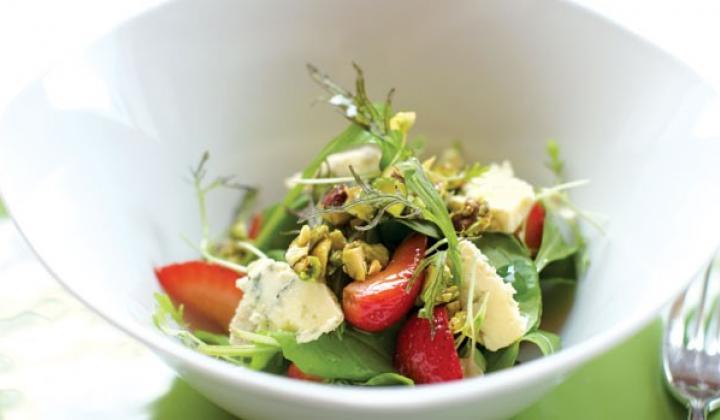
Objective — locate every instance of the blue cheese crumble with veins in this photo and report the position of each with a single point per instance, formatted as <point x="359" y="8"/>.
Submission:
<point x="276" y="299"/>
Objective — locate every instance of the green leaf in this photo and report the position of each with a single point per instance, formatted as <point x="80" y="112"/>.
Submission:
<point x="389" y="379"/>
<point x="501" y="249"/>
<point x="547" y="342"/>
<point x="354" y="355"/>
<point x="513" y="263"/>
<point x="434" y="210"/>
<point x="555" y="164"/>
<point x="212" y="338"/>
<point x="521" y="273"/>
<point x="565" y="269"/>
<point x="3" y="212"/>
<point x="553" y="247"/>
<point x="503" y="358"/>
<point x="424" y="227"/>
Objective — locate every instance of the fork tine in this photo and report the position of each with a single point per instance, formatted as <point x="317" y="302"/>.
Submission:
<point x="675" y="330"/>
<point x="712" y="346"/>
<point x="697" y="338"/>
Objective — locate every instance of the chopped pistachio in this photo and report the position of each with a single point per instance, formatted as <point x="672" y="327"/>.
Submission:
<point x="376" y="252"/>
<point x="354" y="264"/>
<point x="309" y="254"/>
<point x="338" y="240"/>
<point x="449" y="294"/>
<point x="361" y="259"/>
<point x="322" y="252"/>
<point x="375" y="267"/>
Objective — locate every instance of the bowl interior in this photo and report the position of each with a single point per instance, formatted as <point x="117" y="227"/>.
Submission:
<point x="95" y="155"/>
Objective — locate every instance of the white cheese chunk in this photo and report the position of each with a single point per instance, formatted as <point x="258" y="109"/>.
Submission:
<point x="509" y="199"/>
<point x="365" y="160"/>
<point x="503" y="323"/>
<point x="274" y="299"/>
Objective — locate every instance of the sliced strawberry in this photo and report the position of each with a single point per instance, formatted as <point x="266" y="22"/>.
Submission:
<point x="295" y="373"/>
<point x="428" y="356"/>
<point x="383" y="299"/>
<point x="254" y="226"/>
<point x="534" y="227"/>
<point x="205" y="290"/>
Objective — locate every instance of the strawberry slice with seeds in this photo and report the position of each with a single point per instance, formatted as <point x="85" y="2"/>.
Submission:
<point x="428" y="356"/>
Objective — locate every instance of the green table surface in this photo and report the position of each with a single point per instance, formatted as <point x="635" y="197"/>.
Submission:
<point x="59" y="360"/>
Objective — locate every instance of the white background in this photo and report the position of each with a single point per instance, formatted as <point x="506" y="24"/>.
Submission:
<point x="33" y="33"/>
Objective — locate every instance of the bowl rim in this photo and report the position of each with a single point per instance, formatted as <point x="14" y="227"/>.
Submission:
<point x="386" y="399"/>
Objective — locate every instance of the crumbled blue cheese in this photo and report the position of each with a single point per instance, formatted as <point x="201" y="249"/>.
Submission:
<point x="365" y="160"/>
<point x="503" y="324"/>
<point x="275" y="299"/>
<point x="508" y="198"/>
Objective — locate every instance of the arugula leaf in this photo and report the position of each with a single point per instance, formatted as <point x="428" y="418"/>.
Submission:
<point x="169" y="319"/>
<point x="389" y="379"/>
<point x="434" y="210"/>
<point x="354" y="355"/>
<point x="503" y="358"/>
<point x="547" y="342"/>
<point x="512" y="262"/>
<point x="524" y="279"/>
<point x="212" y="338"/>
<point x="424" y="227"/>
<point x="555" y="164"/>
<point x="553" y="247"/>
<point x="501" y="249"/>
<point x="565" y="269"/>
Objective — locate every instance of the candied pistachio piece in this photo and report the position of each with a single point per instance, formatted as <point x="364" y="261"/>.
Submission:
<point x="353" y="259"/>
<point x="310" y="252"/>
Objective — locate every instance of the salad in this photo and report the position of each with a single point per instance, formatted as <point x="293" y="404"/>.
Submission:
<point x="379" y="266"/>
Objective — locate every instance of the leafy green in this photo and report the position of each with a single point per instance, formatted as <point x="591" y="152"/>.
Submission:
<point x="555" y="164"/>
<point x="501" y="249"/>
<point x="424" y="227"/>
<point x="389" y="379"/>
<point x="513" y="263"/>
<point x="436" y="282"/>
<point x="3" y="212"/>
<point x="212" y="338"/>
<point x="354" y="355"/>
<point x="503" y="358"/>
<point x="434" y="210"/>
<point x="547" y="342"/>
<point x="521" y="273"/>
<point x="169" y="319"/>
<point x="553" y="247"/>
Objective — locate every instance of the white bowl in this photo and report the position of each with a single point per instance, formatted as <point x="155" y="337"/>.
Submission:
<point x="94" y="158"/>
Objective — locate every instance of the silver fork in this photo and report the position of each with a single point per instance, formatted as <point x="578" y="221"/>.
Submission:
<point x="691" y="344"/>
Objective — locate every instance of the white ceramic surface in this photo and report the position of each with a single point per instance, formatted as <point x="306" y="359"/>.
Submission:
<point x="94" y="158"/>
